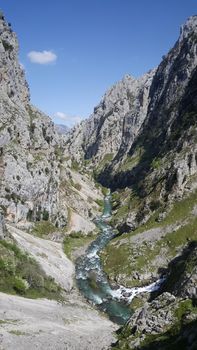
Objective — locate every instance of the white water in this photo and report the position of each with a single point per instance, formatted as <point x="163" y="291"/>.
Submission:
<point x="93" y="282"/>
<point x="127" y="294"/>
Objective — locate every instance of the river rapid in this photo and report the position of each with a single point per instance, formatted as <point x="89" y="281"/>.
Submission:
<point x="94" y="283"/>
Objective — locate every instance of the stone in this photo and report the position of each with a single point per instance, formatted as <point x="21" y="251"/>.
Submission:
<point x="3" y="231"/>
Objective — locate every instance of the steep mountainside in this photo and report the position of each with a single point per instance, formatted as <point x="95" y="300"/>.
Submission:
<point x="36" y="178"/>
<point x="143" y="133"/>
<point x="61" y="129"/>
<point x="161" y="164"/>
<point x="113" y="126"/>
<point x="153" y="177"/>
<point x="28" y="141"/>
<point x="170" y="122"/>
<point x="156" y="207"/>
<point x="140" y="142"/>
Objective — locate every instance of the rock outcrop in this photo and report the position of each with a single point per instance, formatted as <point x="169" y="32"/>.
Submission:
<point x="29" y="144"/>
<point x="170" y="319"/>
<point x="141" y="139"/>
<point x="115" y="123"/>
<point x="166" y="139"/>
<point x="3" y="231"/>
<point x="35" y="175"/>
<point x="142" y="134"/>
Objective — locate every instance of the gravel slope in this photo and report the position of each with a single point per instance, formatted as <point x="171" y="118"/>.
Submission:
<point x="46" y="324"/>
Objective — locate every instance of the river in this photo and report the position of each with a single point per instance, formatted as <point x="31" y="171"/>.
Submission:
<point x="94" y="283"/>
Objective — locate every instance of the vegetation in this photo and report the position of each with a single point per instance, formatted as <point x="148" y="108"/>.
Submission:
<point x="103" y="163"/>
<point x="123" y="202"/>
<point x="76" y="240"/>
<point x="18" y="333"/>
<point x="106" y="159"/>
<point x="100" y="204"/>
<point x="120" y="257"/>
<point x="156" y="163"/>
<point x="76" y="185"/>
<point x="180" y="211"/>
<point x="43" y="228"/>
<point x="75" y="165"/>
<point x="22" y="275"/>
<point x="182" y="266"/>
<point x="130" y="162"/>
<point x="176" y="337"/>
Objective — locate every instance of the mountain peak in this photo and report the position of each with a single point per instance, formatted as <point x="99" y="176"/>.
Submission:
<point x="188" y="27"/>
<point x="12" y="77"/>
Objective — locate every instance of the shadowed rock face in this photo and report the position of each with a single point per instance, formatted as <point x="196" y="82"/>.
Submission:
<point x="167" y="138"/>
<point x="3" y="231"/>
<point x="151" y="119"/>
<point x="154" y="162"/>
<point x="169" y="319"/>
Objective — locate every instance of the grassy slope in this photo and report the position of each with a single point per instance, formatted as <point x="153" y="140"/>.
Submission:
<point x="75" y="241"/>
<point x="118" y="257"/>
<point x="177" y="335"/>
<point x="22" y="275"/>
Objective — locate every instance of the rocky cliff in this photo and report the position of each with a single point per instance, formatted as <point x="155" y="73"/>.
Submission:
<point x="156" y="207"/>
<point x="35" y="176"/>
<point x="29" y="144"/>
<point x="150" y="163"/>
<point x="142" y="134"/>
<point x="141" y="142"/>
<point x="113" y="126"/>
<point x="169" y="320"/>
<point x="161" y="164"/>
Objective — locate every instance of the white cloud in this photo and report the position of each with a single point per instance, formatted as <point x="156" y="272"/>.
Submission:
<point x="42" y="57"/>
<point x="70" y="120"/>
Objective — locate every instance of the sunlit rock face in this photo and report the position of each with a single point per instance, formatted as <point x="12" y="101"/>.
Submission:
<point x="115" y="122"/>
<point x="29" y="164"/>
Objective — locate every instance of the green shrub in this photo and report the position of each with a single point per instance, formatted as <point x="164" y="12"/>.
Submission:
<point x="19" y="285"/>
<point x="77" y="186"/>
<point x="156" y="163"/>
<point x="45" y="215"/>
<point x="75" y="165"/>
<point x="20" y="274"/>
<point x="33" y="275"/>
<point x="43" y="228"/>
<point x="75" y="234"/>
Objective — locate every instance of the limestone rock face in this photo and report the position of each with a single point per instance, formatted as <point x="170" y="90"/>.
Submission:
<point x="150" y="319"/>
<point x="165" y="147"/>
<point x="174" y="307"/>
<point x="3" y="231"/>
<point x="113" y="126"/>
<point x="12" y="77"/>
<point x="144" y="129"/>
<point x="29" y="165"/>
<point x="36" y="180"/>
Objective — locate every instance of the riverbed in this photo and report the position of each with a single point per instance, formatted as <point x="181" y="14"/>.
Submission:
<point x="93" y="282"/>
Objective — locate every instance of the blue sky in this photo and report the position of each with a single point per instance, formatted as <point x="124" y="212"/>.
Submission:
<point x="85" y="46"/>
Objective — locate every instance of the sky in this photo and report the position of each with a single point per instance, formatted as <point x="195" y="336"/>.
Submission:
<point x="74" y="50"/>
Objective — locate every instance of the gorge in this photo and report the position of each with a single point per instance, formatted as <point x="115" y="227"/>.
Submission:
<point x="133" y="257"/>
